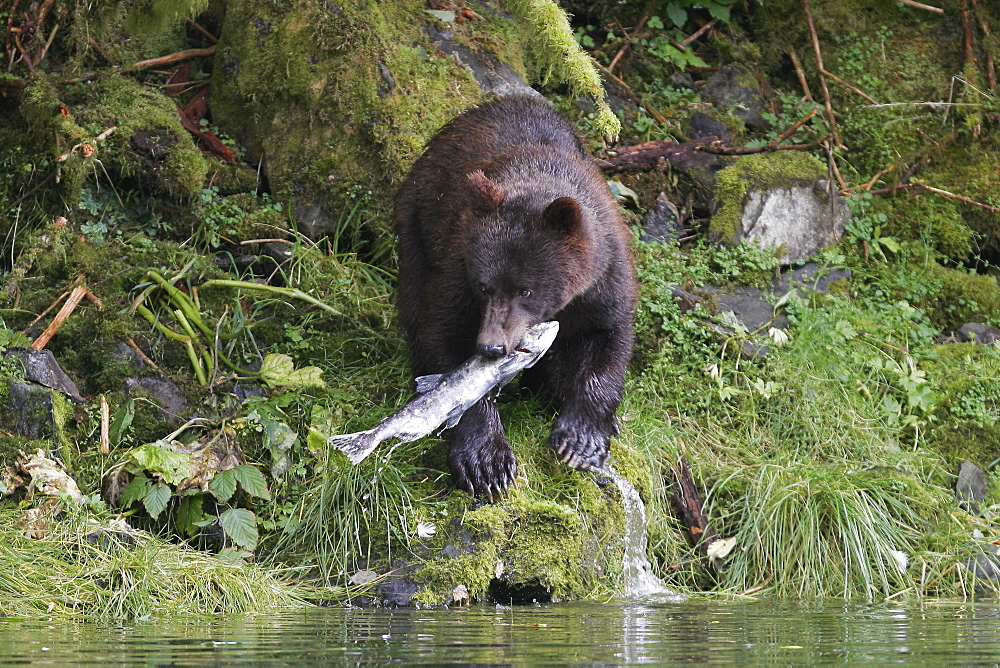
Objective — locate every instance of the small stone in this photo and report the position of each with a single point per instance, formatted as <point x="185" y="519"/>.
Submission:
<point x="970" y="488"/>
<point x="662" y="221"/>
<point x="363" y="577"/>
<point x="977" y="332"/>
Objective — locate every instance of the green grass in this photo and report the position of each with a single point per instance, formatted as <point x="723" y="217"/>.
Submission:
<point x="82" y="567"/>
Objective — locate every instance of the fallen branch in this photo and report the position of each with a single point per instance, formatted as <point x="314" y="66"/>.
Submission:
<point x="920" y="5"/>
<point x="699" y="32"/>
<point x="749" y="150"/>
<point x="648" y="154"/>
<point x="849" y="86"/>
<point x="75" y="297"/>
<point x="800" y="73"/>
<point x="105" y="437"/>
<point x="169" y="59"/>
<point x="821" y="68"/>
<point x="960" y="198"/>
<point x="939" y="191"/>
<point x="689" y="504"/>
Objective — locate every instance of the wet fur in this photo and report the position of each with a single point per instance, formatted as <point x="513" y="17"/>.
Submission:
<point x="506" y="195"/>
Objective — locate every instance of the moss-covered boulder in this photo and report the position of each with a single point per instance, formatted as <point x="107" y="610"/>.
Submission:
<point x="781" y="200"/>
<point x="334" y="96"/>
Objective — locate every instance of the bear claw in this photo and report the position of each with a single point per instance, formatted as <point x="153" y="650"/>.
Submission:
<point x="581" y="449"/>
<point x="486" y="471"/>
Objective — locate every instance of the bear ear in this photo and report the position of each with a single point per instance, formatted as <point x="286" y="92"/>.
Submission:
<point x="564" y="215"/>
<point x="488" y="193"/>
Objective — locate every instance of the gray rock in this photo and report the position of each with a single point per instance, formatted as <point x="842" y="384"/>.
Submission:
<point x="493" y="75"/>
<point x="800" y="218"/>
<point x="735" y="91"/>
<point x="970" y="488"/>
<point x="163" y="392"/>
<point x="703" y="125"/>
<point x="33" y="409"/>
<point x="809" y="276"/>
<point x="977" y="332"/>
<point x="662" y="222"/>
<point x="40" y="367"/>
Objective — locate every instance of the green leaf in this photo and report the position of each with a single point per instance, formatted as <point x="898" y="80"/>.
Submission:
<point x="172" y="466"/>
<point x="677" y="14"/>
<point x="223" y="485"/>
<point x="623" y="193"/>
<point x="443" y="15"/>
<point x="278" y="370"/>
<point x="189" y="514"/>
<point x="252" y="481"/>
<point x="136" y="490"/>
<point x="240" y="526"/>
<point x="720" y="12"/>
<point x="121" y="422"/>
<point x="156" y="499"/>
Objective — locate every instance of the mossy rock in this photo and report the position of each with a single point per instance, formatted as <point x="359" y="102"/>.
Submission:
<point x="333" y="96"/>
<point x="780" y="199"/>
<point x="147" y="146"/>
<point x="961" y="297"/>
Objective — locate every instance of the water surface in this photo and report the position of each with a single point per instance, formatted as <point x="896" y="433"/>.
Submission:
<point x="613" y="633"/>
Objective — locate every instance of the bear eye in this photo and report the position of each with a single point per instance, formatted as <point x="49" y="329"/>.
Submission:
<point x="525" y="293"/>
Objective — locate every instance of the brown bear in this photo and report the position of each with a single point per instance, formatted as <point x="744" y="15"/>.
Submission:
<point x="505" y="222"/>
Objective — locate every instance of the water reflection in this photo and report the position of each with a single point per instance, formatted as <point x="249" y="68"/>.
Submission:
<point x="614" y="633"/>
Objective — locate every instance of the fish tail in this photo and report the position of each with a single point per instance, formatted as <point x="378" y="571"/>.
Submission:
<point x="357" y="445"/>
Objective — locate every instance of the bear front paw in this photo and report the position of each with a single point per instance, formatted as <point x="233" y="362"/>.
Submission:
<point x="487" y="468"/>
<point x="581" y="446"/>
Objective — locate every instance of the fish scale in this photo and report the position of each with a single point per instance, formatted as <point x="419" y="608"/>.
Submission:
<point x="444" y="398"/>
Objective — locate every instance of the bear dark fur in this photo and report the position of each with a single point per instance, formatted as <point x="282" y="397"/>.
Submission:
<point x="505" y="222"/>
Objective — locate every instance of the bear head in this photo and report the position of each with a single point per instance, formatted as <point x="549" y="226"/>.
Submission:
<point x="526" y="259"/>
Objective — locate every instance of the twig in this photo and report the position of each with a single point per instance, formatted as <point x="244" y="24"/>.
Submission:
<point x="141" y="354"/>
<point x="646" y="13"/>
<point x="24" y="53"/>
<point x="699" y="32"/>
<point x="46" y="311"/>
<point x="212" y="38"/>
<point x="822" y="79"/>
<point x="660" y="118"/>
<point x="170" y="59"/>
<point x="966" y="200"/>
<point x="48" y="43"/>
<point x="849" y="86"/>
<point x="798" y="124"/>
<point x="75" y="297"/>
<point x="105" y="438"/>
<point x="800" y="73"/>
<point x="749" y="150"/>
<point x="920" y="5"/>
<point x="831" y="160"/>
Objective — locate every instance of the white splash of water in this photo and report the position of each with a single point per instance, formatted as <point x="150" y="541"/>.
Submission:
<point x="640" y="581"/>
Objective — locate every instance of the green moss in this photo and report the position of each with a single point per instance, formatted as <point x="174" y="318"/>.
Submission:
<point x="961" y="297"/>
<point x="336" y="96"/>
<point x="757" y="171"/>
<point x="557" y="54"/>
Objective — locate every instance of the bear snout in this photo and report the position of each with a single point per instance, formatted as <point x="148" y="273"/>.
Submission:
<point x="492" y="349"/>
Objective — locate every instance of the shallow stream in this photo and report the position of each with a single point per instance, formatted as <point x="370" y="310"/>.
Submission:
<point x="617" y="632"/>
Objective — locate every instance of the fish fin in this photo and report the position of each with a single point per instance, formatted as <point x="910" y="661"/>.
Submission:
<point x="427" y="383"/>
<point x="453" y="417"/>
<point x="357" y="445"/>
